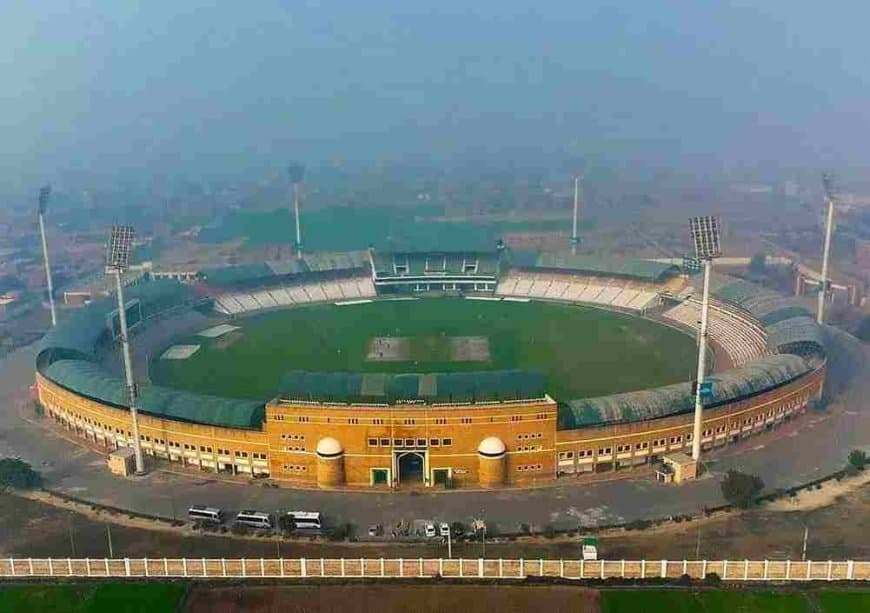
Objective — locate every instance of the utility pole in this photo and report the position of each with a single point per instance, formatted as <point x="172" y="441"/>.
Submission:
<point x="296" y="171"/>
<point x="804" y="548"/>
<point x="449" y="541"/>
<point x="109" y="539"/>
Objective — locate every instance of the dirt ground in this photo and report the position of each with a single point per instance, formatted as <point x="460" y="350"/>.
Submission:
<point x="836" y="531"/>
<point x="391" y="598"/>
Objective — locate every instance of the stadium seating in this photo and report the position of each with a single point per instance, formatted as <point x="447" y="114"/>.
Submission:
<point x="603" y="291"/>
<point x="742" y="339"/>
<point x="301" y="292"/>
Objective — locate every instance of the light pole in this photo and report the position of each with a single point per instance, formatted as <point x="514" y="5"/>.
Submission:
<point x="117" y="260"/>
<point x="828" y="182"/>
<point x="705" y="236"/>
<point x="44" y="193"/>
<point x="297" y="172"/>
<point x="575" y="240"/>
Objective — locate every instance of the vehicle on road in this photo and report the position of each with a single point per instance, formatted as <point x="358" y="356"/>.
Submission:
<point x="254" y="519"/>
<point x="202" y="513"/>
<point x="305" y="520"/>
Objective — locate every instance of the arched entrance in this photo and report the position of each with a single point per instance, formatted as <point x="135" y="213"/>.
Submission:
<point x="411" y="468"/>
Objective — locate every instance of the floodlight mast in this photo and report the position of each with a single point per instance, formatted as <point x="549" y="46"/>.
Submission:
<point x="574" y="239"/>
<point x="705" y="235"/>
<point x="828" y="182"/>
<point x="117" y="260"/>
<point x="44" y="194"/>
<point x="297" y="172"/>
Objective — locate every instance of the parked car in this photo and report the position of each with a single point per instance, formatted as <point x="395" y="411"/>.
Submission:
<point x="431" y="531"/>
<point x="444" y="530"/>
<point x="376" y="530"/>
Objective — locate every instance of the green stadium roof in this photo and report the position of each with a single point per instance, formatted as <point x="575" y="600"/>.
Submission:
<point x="78" y="334"/>
<point x="432" y="387"/>
<point x="754" y="378"/>
<point x="93" y="381"/>
<point x="640" y="269"/>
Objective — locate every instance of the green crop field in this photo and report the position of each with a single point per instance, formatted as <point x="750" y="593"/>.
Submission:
<point x="582" y="351"/>
<point x="91" y="598"/>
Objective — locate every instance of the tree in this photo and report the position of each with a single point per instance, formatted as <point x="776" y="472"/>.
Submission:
<point x="18" y="473"/>
<point x="858" y="459"/>
<point x="758" y="264"/>
<point x="740" y="489"/>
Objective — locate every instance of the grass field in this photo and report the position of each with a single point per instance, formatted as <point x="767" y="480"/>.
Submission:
<point x="213" y="598"/>
<point x="581" y="350"/>
<point x="91" y="598"/>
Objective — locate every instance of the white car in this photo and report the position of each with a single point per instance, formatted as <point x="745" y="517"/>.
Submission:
<point x="431" y="531"/>
<point x="444" y="529"/>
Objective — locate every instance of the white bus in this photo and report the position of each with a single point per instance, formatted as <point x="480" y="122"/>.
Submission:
<point x="305" y="520"/>
<point x="254" y="519"/>
<point x="200" y="512"/>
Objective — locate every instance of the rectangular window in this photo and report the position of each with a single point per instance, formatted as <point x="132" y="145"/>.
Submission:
<point x="373" y="442"/>
<point x="398" y="442"/>
<point x="421" y="442"/>
<point x="434" y="442"/>
<point x="446" y="442"/>
<point x="385" y="442"/>
<point x="409" y="442"/>
<point x="465" y="420"/>
<point x="353" y="420"/>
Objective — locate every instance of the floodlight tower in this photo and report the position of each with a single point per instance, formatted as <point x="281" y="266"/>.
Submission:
<point x="297" y="172"/>
<point x="828" y="182"/>
<point x="44" y="193"/>
<point x="117" y="261"/>
<point x="574" y="238"/>
<point x="705" y="236"/>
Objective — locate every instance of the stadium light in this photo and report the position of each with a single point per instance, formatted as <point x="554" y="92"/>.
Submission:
<point x="705" y="232"/>
<point x="575" y="240"/>
<point x="828" y="183"/>
<point x="296" y="171"/>
<point x="117" y="260"/>
<point x="44" y="194"/>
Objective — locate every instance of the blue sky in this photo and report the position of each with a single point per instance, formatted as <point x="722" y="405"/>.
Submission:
<point x="197" y="86"/>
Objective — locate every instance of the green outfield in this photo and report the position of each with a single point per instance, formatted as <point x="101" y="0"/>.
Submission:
<point x="582" y="351"/>
<point x="92" y="598"/>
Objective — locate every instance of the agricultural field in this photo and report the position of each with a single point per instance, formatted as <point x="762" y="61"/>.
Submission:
<point x="582" y="351"/>
<point x="91" y="598"/>
<point x="158" y="597"/>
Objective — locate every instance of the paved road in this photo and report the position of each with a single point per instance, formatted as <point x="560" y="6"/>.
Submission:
<point x="810" y="447"/>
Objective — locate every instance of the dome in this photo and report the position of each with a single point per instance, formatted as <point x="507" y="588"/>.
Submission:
<point x="491" y="447"/>
<point x="329" y="447"/>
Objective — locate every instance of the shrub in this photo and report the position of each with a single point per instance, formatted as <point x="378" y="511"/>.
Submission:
<point x="240" y="530"/>
<point x="858" y="459"/>
<point x="549" y="531"/>
<point x="18" y="473"/>
<point x="712" y="579"/>
<point x="741" y="489"/>
<point x="525" y="529"/>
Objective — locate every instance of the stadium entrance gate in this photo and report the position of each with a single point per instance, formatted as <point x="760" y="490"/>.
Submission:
<point x="411" y="467"/>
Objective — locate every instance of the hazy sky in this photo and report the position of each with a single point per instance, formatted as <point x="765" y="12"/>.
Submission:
<point x="198" y="86"/>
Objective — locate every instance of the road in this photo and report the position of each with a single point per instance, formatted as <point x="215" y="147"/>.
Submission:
<point x="810" y="447"/>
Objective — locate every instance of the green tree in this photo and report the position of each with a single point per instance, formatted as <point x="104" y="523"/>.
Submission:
<point x="758" y="264"/>
<point x="18" y="473"/>
<point x="740" y="489"/>
<point x="858" y="459"/>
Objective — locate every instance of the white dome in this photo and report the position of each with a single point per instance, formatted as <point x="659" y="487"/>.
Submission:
<point x="491" y="446"/>
<point x="329" y="447"/>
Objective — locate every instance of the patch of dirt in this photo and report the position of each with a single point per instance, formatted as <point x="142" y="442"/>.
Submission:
<point x="363" y="597"/>
<point x="824" y="495"/>
<point x="469" y="349"/>
<point x="389" y="349"/>
<point x="227" y="339"/>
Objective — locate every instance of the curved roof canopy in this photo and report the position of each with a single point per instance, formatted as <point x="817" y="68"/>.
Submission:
<point x="728" y="386"/>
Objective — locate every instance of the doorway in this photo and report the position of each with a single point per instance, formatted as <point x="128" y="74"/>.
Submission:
<point x="411" y="468"/>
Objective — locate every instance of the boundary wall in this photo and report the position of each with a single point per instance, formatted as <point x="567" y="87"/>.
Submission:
<point x="452" y="568"/>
